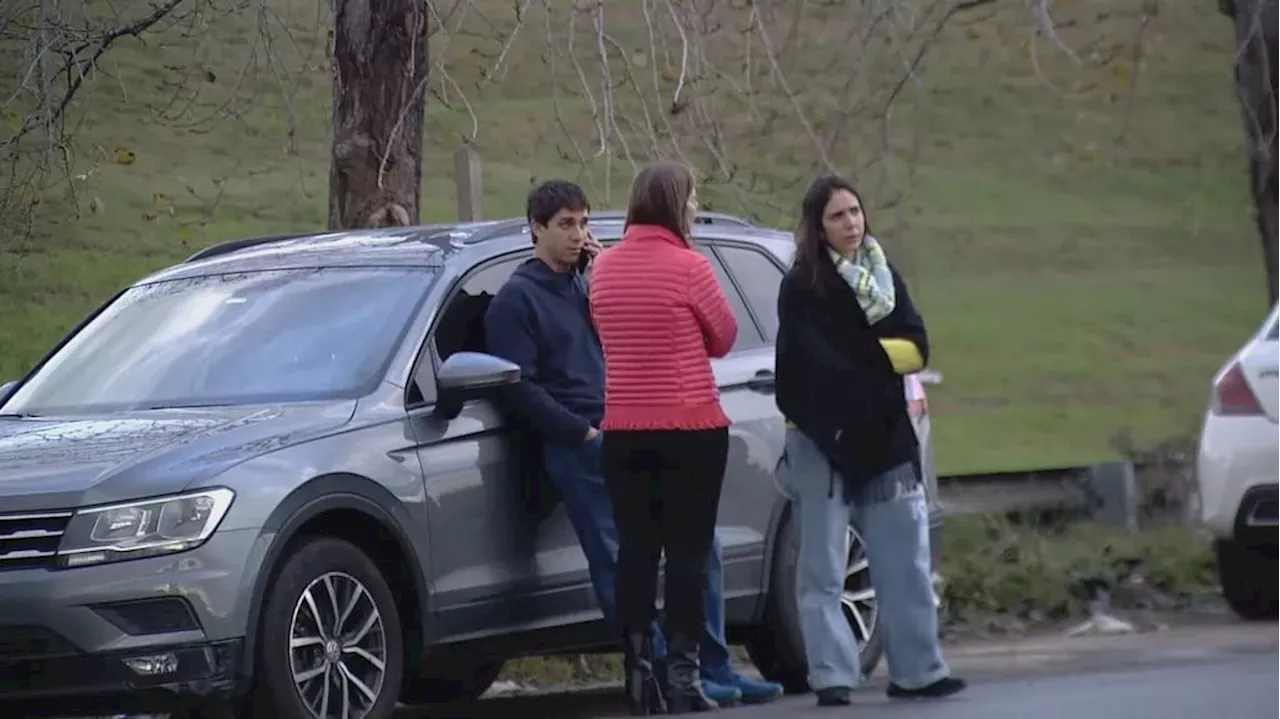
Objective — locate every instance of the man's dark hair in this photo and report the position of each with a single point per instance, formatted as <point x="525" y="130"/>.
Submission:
<point x="548" y="198"/>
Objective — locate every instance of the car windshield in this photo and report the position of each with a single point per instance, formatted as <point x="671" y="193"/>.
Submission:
<point x="277" y="336"/>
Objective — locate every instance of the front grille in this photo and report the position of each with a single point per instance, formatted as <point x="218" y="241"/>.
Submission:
<point x="30" y="541"/>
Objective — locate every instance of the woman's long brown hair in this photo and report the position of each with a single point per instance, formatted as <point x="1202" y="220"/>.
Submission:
<point x="811" y="242"/>
<point x="660" y="196"/>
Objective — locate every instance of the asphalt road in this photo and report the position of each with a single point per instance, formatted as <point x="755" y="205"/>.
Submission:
<point x="1220" y="670"/>
<point x="1243" y="686"/>
<point x="1172" y="677"/>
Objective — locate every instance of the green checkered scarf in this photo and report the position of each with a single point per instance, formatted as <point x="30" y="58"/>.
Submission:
<point x="869" y="276"/>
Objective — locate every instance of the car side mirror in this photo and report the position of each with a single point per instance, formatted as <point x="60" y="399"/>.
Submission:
<point x="6" y="389"/>
<point x="470" y="375"/>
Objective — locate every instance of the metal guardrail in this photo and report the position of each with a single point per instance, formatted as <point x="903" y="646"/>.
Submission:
<point x="1106" y="492"/>
<point x="1056" y="488"/>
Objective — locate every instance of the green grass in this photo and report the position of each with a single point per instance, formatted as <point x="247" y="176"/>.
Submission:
<point x="992" y="567"/>
<point x="1084" y="262"/>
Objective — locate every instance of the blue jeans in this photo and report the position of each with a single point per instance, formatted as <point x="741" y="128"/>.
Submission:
<point x="892" y="513"/>
<point x="575" y="470"/>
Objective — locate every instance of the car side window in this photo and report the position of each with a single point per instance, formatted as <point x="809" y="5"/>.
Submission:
<point x="759" y="277"/>
<point x="461" y="324"/>
<point x="749" y="336"/>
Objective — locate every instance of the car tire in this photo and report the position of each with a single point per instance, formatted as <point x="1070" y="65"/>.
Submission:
<point x="1249" y="579"/>
<point x="462" y="680"/>
<point x="778" y="647"/>
<point x="331" y="618"/>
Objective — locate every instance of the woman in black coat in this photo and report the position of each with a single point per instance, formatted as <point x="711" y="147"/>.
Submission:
<point x="847" y="334"/>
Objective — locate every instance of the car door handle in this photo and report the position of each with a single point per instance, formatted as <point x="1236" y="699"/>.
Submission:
<point x="763" y="381"/>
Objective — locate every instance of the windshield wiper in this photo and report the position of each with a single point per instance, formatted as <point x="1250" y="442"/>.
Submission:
<point x="160" y="407"/>
<point x="17" y="415"/>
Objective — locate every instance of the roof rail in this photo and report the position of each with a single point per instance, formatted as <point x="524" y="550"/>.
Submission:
<point x="504" y="228"/>
<point x="230" y="246"/>
<point x="702" y="218"/>
<point x="495" y="229"/>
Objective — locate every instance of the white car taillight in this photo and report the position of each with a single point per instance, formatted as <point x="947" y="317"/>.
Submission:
<point x="1233" y="396"/>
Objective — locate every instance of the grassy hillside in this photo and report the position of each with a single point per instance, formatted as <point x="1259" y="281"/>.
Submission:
<point x="1079" y="239"/>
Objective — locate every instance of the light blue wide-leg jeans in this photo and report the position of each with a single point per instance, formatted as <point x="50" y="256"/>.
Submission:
<point x="891" y="512"/>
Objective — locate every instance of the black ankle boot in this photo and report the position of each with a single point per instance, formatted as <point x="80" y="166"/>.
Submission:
<point x="643" y="695"/>
<point x="684" y="680"/>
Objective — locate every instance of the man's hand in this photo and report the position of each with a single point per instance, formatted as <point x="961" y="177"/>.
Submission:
<point x="592" y="246"/>
<point x="592" y="433"/>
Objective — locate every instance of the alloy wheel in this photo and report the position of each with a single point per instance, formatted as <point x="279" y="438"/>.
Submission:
<point x="859" y="597"/>
<point x="337" y="648"/>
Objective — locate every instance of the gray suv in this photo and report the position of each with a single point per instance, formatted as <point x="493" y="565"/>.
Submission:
<point x="279" y="478"/>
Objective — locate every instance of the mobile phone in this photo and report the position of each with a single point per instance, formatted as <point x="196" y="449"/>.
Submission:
<point x="584" y="260"/>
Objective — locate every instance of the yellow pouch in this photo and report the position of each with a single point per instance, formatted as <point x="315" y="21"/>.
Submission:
<point x="904" y="355"/>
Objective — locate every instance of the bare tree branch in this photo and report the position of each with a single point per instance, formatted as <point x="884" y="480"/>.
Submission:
<point x="79" y="59"/>
<point x="733" y="83"/>
<point x="757" y="94"/>
<point x="71" y="49"/>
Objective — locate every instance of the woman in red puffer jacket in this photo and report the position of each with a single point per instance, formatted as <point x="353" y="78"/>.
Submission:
<point x="661" y="317"/>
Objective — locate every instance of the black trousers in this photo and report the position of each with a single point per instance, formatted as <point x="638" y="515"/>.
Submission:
<point x="665" y="490"/>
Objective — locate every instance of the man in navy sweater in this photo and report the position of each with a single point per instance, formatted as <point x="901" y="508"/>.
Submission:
<point x="541" y="320"/>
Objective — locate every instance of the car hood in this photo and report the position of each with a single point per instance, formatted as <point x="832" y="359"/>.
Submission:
<point x="66" y="462"/>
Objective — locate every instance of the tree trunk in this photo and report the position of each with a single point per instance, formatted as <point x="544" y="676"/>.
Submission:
<point x="1255" y="81"/>
<point x="379" y="96"/>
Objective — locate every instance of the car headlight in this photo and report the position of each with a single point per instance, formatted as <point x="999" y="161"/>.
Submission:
<point x="143" y="529"/>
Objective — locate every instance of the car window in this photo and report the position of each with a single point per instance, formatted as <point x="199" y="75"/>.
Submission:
<point x="244" y="338"/>
<point x="749" y="336"/>
<point x="490" y="278"/>
<point x="461" y="325"/>
<point x="759" y="277"/>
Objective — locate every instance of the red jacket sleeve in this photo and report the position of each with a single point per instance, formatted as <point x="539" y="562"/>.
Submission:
<point x="712" y="308"/>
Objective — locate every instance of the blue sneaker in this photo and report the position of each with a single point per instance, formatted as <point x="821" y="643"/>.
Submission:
<point x="722" y="694"/>
<point x="756" y="691"/>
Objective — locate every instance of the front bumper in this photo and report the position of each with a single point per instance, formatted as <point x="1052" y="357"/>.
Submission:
<point x="142" y="633"/>
<point x="91" y="684"/>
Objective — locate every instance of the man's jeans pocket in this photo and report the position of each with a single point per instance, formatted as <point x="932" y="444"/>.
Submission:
<point x="584" y="459"/>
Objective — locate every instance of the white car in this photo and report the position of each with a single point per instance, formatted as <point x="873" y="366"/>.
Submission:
<point x="1237" y="473"/>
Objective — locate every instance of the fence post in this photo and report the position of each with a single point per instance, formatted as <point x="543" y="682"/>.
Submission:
<point x="1115" y="485"/>
<point x="470" y="186"/>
